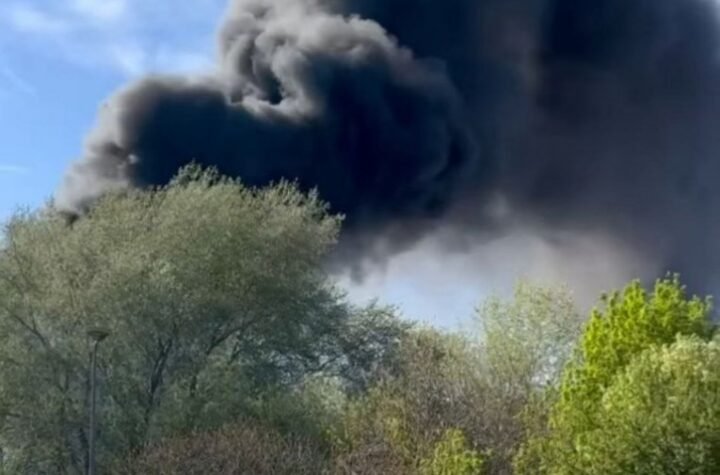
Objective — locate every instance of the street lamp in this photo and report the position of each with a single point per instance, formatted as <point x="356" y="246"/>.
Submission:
<point x="97" y="335"/>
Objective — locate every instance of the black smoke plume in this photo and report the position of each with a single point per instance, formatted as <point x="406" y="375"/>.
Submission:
<point x="468" y="115"/>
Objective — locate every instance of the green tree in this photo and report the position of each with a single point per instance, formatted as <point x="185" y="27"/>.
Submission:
<point x="484" y="386"/>
<point x="528" y="339"/>
<point x="212" y="292"/>
<point x="631" y="322"/>
<point x="525" y="343"/>
<point x="426" y="390"/>
<point x="660" y="415"/>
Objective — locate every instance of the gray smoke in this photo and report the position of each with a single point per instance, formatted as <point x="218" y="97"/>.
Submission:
<point x="473" y="116"/>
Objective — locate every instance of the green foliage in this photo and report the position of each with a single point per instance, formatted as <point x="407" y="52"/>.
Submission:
<point x="438" y="385"/>
<point x="398" y="422"/>
<point x="310" y="410"/>
<point x="528" y="340"/>
<point x="631" y="322"/>
<point x="525" y="343"/>
<point x="232" y="352"/>
<point x="660" y="415"/>
<point x="452" y="457"/>
<point x="369" y="341"/>
<point x="213" y="293"/>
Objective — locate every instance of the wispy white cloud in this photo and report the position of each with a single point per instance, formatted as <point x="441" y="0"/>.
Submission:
<point x="133" y="60"/>
<point x="27" y="19"/>
<point x="130" y="37"/>
<point x="16" y="82"/>
<point x="12" y="169"/>
<point x="130" y="59"/>
<point x="100" y="10"/>
<point x="181" y="61"/>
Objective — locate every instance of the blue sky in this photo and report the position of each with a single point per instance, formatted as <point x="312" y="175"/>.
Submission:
<point x="60" y="58"/>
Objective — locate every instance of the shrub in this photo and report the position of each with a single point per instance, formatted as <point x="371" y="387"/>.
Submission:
<point x="240" y="449"/>
<point x="452" y="457"/>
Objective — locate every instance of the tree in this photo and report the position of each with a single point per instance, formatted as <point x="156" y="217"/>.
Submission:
<point x="212" y="291"/>
<point x="426" y="390"/>
<point x="525" y="343"/>
<point x="527" y="340"/>
<point x="631" y="322"/>
<point x="660" y="415"/>
<point x="478" y="388"/>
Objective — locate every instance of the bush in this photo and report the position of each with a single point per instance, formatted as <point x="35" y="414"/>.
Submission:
<point x="241" y="449"/>
<point x="452" y="457"/>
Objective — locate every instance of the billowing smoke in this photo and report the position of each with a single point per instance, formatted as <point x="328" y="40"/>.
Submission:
<point x="300" y="93"/>
<point x="475" y="117"/>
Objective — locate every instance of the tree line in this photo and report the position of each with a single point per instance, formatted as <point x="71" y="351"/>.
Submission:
<point x="231" y="351"/>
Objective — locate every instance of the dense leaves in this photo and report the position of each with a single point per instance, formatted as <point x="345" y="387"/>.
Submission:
<point x="231" y="352"/>
<point x="631" y="322"/>
<point x="660" y="415"/>
<point x="488" y="387"/>
<point x="212" y="293"/>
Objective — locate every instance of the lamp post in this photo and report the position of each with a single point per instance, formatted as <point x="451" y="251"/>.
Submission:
<point x="97" y="335"/>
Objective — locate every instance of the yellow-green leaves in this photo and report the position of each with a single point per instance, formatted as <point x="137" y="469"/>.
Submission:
<point x="452" y="456"/>
<point x="630" y="323"/>
<point x="661" y="414"/>
<point x="635" y="320"/>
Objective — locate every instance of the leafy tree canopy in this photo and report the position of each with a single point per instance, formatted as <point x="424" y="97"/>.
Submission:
<point x="660" y="415"/>
<point x="632" y="321"/>
<point x="211" y="291"/>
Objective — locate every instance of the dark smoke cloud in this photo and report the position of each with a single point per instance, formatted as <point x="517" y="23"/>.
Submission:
<point x="470" y="115"/>
<point x="300" y="93"/>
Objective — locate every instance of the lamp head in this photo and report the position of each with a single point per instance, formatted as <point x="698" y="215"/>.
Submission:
<point x="98" y="334"/>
